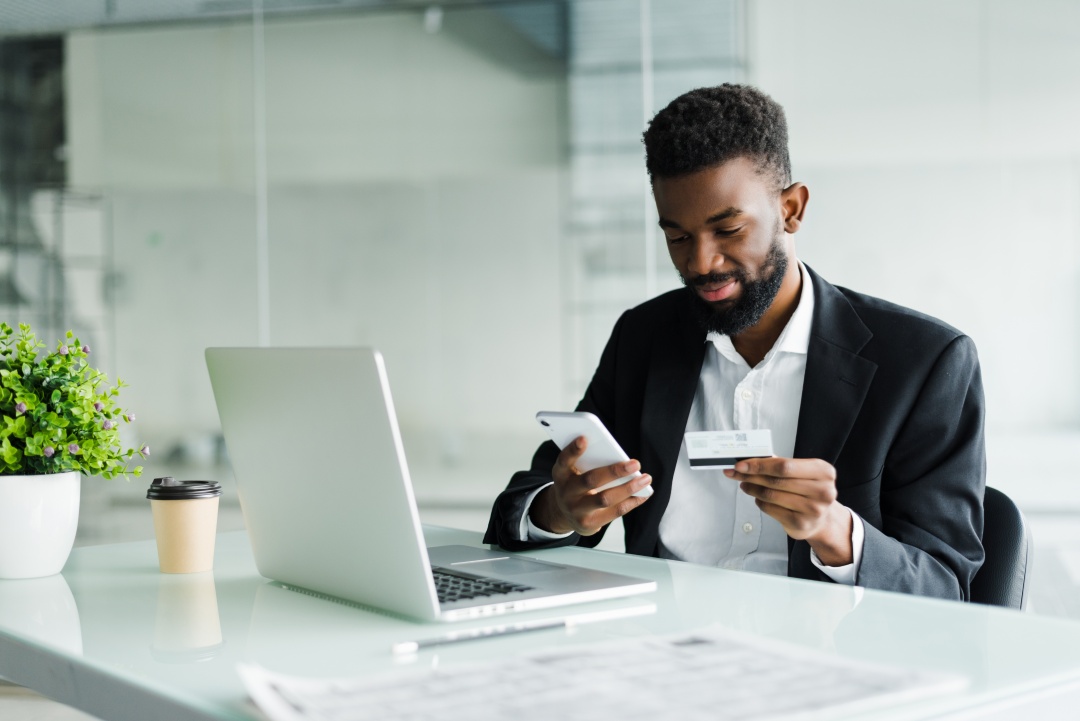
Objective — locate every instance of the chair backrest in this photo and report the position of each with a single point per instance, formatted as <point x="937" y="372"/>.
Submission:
<point x="1005" y="576"/>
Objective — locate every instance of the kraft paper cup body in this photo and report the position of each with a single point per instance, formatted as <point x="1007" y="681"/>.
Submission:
<point x="186" y="530"/>
<point x="185" y="523"/>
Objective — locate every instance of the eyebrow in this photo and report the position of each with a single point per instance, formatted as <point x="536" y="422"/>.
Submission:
<point x="723" y="215"/>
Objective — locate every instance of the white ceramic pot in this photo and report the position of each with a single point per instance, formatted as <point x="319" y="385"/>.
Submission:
<point x="38" y="519"/>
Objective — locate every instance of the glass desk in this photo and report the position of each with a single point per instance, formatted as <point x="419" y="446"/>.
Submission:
<point x="114" y="637"/>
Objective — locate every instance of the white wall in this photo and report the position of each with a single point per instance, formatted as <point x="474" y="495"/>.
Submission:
<point x="939" y="143"/>
<point x="414" y="204"/>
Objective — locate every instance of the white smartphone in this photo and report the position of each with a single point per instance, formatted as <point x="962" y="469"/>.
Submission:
<point x="602" y="448"/>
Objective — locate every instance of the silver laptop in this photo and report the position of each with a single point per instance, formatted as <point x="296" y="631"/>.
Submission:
<point x="328" y="504"/>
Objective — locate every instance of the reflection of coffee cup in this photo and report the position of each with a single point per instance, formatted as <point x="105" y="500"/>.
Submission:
<point x="187" y="627"/>
<point x="185" y="523"/>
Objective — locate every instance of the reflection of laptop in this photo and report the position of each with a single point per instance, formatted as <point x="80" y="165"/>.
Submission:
<point x="328" y="503"/>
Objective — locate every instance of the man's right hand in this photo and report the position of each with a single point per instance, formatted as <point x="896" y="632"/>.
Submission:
<point x="573" y="503"/>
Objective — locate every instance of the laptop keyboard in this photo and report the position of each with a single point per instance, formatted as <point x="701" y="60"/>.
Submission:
<point x="459" y="586"/>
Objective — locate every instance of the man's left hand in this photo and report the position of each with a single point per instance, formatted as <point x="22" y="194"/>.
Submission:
<point x="800" y="493"/>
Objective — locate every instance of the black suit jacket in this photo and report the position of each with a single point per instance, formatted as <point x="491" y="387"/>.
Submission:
<point x="892" y="398"/>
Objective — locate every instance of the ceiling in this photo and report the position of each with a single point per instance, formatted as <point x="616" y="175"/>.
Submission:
<point x="50" y="17"/>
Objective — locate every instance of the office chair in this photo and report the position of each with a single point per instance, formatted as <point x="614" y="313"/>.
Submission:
<point x="1004" y="578"/>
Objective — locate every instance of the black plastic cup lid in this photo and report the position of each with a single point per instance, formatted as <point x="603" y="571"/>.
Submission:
<point x="170" y="489"/>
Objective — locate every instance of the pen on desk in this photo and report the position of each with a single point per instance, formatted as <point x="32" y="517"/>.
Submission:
<point x="477" y="633"/>
<point x="521" y="627"/>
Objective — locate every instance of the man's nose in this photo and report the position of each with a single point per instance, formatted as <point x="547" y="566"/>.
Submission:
<point x="705" y="257"/>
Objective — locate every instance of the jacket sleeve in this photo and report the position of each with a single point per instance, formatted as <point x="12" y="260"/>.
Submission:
<point x="932" y="487"/>
<point x="506" y="514"/>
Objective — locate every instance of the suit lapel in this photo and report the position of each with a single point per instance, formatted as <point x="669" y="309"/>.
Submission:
<point x="671" y="382"/>
<point x="834" y="388"/>
<point x="836" y="379"/>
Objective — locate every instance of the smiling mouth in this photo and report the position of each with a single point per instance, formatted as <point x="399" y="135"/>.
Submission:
<point x="717" y="291"/>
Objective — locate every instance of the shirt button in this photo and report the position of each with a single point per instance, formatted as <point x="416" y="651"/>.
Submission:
<point x="747" y="395"/>
<point x="747" y="527"/>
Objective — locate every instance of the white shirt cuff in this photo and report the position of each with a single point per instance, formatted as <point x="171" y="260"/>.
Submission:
<point x="529" y="531"/>
<point x="848" y="574"/>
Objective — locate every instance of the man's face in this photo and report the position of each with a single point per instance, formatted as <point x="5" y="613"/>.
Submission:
<point x="725" y="235"/>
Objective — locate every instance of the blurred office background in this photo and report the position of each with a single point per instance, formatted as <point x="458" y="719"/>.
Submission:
<point x="461" y="184"/>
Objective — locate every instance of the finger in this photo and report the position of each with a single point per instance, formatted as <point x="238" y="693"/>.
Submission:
<point x="760" y="480"/>
<point x="628" y="505"/>
<point x="564" y="464"/>
<point x="598" y="477"/>
<point x="773" y="496"/>
<point x="801" y="486"/>
<point x="797" y="525"/>
<point x="618" y="494"/>
<point x="810" y="493"/>
<point x="784" y="516"/>
<point x="787" y="468"/>
<point x="604" y="516"/>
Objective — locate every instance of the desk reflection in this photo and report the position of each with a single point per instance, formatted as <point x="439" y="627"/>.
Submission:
<point x="43" y="609"/>
<point x="187" y="627"/>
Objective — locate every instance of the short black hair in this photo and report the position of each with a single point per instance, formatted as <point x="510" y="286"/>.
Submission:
<point x="709" y="126"/>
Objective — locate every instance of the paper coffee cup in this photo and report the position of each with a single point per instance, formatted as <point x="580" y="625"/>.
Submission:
<point x="185" y="523"/>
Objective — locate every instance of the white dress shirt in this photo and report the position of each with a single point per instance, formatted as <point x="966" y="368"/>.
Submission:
<point x="708" y="519"/>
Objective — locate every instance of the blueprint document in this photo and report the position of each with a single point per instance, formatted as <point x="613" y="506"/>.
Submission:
<point x="712" y="674"/>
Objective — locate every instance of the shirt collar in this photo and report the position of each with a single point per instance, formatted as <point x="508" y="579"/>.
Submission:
<point x="795" y="338"/>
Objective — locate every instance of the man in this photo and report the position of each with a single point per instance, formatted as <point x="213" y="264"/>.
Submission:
<point x="876" y="411"/>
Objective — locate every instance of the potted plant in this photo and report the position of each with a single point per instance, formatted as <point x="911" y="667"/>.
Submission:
<point x="58" y="420"/>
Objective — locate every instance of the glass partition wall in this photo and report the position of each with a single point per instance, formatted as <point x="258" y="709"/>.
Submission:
<point x="460" y="185"/>
<point x="160" y="124"/>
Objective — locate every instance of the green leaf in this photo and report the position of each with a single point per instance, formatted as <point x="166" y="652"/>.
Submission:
<point x="11" y="454"/>
<point x="56" y="421"/>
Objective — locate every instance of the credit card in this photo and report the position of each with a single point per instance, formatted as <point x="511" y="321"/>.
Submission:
<point x="711" y="450"/>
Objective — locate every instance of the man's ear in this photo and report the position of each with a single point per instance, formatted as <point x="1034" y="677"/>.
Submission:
<point x="793" y="200"/>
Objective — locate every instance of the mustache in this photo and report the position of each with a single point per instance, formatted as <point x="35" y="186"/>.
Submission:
<point x="713" y="278"/>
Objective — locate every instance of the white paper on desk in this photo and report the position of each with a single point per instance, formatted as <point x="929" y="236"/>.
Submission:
<point x="269" y="691"/>
<point x="712" y="674"/>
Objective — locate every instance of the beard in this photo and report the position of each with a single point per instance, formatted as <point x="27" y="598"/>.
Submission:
<point x="733" y="317"/>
